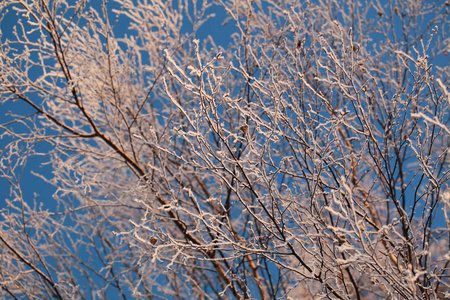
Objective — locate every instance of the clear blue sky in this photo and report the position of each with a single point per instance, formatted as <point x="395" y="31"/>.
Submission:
<point x="33" y="185"/>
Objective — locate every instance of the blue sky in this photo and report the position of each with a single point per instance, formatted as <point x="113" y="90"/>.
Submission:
<point x="221" y="34"/>
<point x="34" y="186"/>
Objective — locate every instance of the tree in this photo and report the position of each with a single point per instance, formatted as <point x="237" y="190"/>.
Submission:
<point x="306" y="159"/>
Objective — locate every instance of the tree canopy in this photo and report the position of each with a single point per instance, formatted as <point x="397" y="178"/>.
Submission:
<point x="226" y="149"/>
